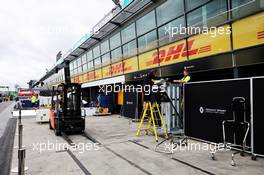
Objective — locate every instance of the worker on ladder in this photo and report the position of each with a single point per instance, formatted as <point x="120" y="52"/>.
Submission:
<point x="151" y="107"/>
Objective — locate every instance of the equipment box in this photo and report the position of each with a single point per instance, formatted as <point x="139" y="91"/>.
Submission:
<point x="42" y="115"/>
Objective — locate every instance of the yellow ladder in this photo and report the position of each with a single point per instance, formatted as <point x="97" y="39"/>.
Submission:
<point x="151" y="107"/>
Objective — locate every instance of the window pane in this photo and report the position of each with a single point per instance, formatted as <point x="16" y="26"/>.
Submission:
<point x="130" y="49"/>
<point x="104" y="47"/>
<point x="84" y="59"/>
<point x="171" y="31"/>
<point x="115" y="41"/>
<point x="116" y="54"/>
<point x="84" y="67"/>
<point x="106" y="59"/>
<point x="75" y="64"/>
<point x="211" y="14"/>
<point x="245" y="7"/>
<point x="89" y="55"/>
<point x="90" y="65"/>
<point x="169" y="10"/>
<point x="191" y="4"/>
<point x="79" y="61"/>
<point x="147" y="41"/>
<point x="79" y="70"/>
<point x="71" y="66"/>
<point x="128" y="33"/>
<point x="97" y="62"/>
<point x="146" y="23"/>
<point x="96" y="52"/>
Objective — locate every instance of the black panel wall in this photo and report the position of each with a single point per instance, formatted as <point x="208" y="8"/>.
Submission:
<point x="208" y="104"/>
<point x="258" y="116"/>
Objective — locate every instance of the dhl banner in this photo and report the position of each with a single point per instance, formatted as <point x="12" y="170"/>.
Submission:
<point x="98" y="74"/>
<point x="249" y="31"/>
<point x="205" y="44"/>
<point x="172" y="53"/>
<point x="146" y="60"/>
<point x="106" y="71"/>
<point x="76" y="79"/>
<point x="90" y="75"/>
<point x="116" y="69"/>
<point x="85" y="78"/>
<point x="80" y="78"/>
<point x="130" y="65"/>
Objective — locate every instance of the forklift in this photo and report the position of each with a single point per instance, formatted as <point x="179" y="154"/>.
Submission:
<point x="65" y="113"/>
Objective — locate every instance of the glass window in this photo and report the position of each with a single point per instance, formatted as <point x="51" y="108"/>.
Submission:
<point x="71" y="66"/>
<point x="79" y="70"/>
<point x="147" y="41"/>
<point x="84" y="59"/>
<point x="146" y="23"/>
<point x="106" y="59"/>
<point x="84" y="67"/>
<point x="105" y="47"/>
<point x="116" y="54"/>
<point x="172" y="31"/>
<point x="191" y="4"/>
<point x="75" y="64"/>
<point x="237" y="3"/>
<point x="89" y="55"/>
<point x="245" y="7"/>
<point x="90" y="65"/>
<point x="79" y="61"/>
<point x="115" y="41"/>
<point x="97" y="62"/>
<point x="130" y="49"/>
<point x="128" y="33"/>
<point x="169" y="10"/>
<point x="96" y="52"/>
<point x="211" y="14"/>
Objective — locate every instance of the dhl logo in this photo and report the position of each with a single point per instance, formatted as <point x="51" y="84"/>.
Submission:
<point x="118" y="68"/>
<point x="91" y="75"/>
<point x="176" y="52"/>
<point x="260" y="35"/>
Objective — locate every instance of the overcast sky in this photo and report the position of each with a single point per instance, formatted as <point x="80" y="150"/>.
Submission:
<point x="32" y="32"/>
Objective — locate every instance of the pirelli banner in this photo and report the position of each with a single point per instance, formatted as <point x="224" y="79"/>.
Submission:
<point x="248" y="32"/>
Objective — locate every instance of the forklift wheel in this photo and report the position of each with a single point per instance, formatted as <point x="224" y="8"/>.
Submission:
<point x="57" y="132"/>
<point x="254" y="157"/>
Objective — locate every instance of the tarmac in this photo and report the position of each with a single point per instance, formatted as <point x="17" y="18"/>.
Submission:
<point x="113" y="148"/>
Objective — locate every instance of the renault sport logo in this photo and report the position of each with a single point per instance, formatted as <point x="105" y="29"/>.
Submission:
<point x="201" y="109"/>
<point x="204" y="110"/>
